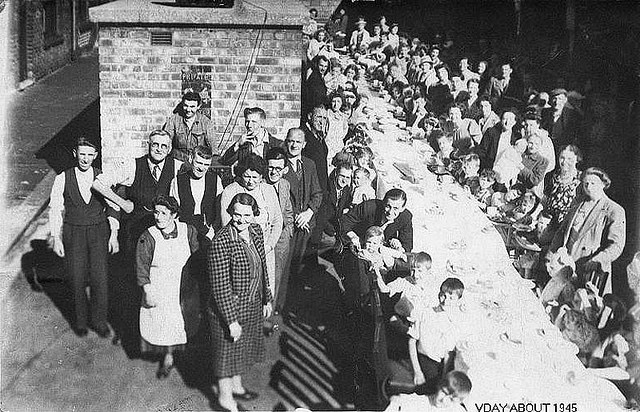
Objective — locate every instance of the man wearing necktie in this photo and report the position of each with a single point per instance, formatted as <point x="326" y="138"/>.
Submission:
<point x="306" y="197"/>
<point x="142" y="179"/>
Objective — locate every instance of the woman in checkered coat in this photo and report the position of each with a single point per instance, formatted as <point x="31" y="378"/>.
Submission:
<point x="240" y="299"/>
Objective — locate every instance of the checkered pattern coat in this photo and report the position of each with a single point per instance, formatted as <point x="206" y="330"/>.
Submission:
<point x="230" y="279"/>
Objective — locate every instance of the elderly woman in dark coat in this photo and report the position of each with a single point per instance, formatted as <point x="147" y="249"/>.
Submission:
<point x="594" y="230"/>
<point x="240" y="298"/>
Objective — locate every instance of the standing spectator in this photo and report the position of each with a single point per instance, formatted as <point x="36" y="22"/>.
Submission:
<point x="161" y="255"/>
<point x="315" y="131"/>
<point x="249" y="179"/>
<point x="471" y="100"/>
<point x="562" y="120"/>
<point x="594" y="230"/>
<point x="317" y="44"/>
<point x="81" y="235"/>
<point x="314" y="91"/>
<point x="505" y="90"/>
<point x="561" y="187"/>
<point x="188" y="127"/>
<point x="276" y="168"/>
<point x="311" y="26"/>
<point x="257" y="138"/>
<point x="337" y="28"/>
<point x="440" y="93"/>
<point x="240" y="300"/>
<point x="338" y="125"/>
<point x="196" y="189"/>
<point x="465" y="71"/>
<point x="306" y="198"/>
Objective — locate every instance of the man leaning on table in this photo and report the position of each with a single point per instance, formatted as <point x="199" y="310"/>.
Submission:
<point x="389" y="213"/>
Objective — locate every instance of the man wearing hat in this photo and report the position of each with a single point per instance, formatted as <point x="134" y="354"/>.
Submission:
<point x="561" y="120"/>
<point x="360" y="38"/>
<point x="80" y="234"/>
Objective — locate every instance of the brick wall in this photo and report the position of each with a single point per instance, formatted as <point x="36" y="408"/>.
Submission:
<point x="140" y="84"/>
<point x="325" y="7"/>
<point x="42" y="58"/>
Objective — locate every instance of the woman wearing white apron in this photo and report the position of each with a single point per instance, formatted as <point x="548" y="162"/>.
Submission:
<point x="250" y="174"/>
<point x="161" y="255"/>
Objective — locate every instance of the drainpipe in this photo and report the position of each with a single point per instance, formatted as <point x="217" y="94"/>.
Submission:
<point x="74" y="28"/>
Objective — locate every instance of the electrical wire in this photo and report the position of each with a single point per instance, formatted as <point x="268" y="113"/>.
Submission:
<point x="246" y="81"/>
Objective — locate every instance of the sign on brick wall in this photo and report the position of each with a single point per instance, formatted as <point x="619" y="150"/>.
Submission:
<point x="197" y="79"/>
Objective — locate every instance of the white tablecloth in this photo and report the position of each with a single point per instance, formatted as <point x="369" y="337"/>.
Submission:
<point x="511" y="351"/>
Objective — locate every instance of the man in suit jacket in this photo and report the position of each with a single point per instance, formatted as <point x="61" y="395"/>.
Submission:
<point x="257" y="139"/>
<point x="389" y="213"/>
<point x="496" y="139"/>
<point x="594" y="230"/>
<point x="396" y="221"/>
<point x="306" y="198"/>
<point x="562" y="120"/>
<point x="506" y="90"/>
<point x="81" y="235"/>
<point x="276" y="169"/>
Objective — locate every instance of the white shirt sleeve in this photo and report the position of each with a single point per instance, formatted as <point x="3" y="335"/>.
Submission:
<point x="122" y="173"/>
<point x="56" y="205"/>
<point x="173" y="190"/>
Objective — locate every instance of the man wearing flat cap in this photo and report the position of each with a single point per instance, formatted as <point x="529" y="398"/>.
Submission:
<point x="562" y="120"/>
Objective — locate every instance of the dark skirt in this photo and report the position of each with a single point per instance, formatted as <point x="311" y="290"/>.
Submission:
<point x="235" y="358"/>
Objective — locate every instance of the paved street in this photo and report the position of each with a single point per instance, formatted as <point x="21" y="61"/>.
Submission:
<point x="46" y="367"/>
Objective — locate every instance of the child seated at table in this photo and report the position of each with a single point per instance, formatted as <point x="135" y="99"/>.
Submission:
<point x="445" y="143"/>
<point x="451" y="392"/>
<point x="526" y="209"/>
<point x="468" y="176"/>
<point x="560" y="288"/>
<point x="433" y="336"/>
<point x="362" y="189"/>
<point x="379" y="256"/>
<point x="507" y="165"/>
<point x="414" y="290"/>
<point x="484" y="191"/>
<point x="577" y="328"/>
<point x="363" y="156"/>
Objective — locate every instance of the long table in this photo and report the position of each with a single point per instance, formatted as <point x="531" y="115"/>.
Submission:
<point x="510" y="350"/>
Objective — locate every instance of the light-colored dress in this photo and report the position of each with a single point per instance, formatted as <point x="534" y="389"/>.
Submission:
<point x="163" y="325"/>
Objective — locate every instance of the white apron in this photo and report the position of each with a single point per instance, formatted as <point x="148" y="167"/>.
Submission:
<point x="163" y="324"/>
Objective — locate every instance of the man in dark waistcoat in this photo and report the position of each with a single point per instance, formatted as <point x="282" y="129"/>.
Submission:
<point x="80" y="234"/>
<point x="196" y="189"/>
<point x="142" y="179"/>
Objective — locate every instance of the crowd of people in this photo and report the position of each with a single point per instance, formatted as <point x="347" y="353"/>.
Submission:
<point x="244" y="247"/>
